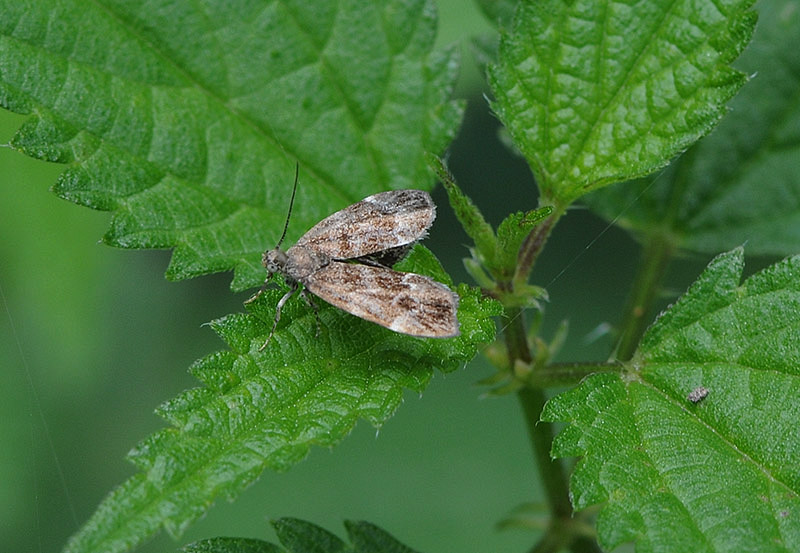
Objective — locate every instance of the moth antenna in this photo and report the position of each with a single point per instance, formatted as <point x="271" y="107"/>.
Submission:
<point x="291" y="203"/>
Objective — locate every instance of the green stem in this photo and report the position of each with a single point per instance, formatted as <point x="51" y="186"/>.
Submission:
<point x="656" y="254"/>
<point x="532" y="246"/>
<point x="532" y="399"/>
<point x="570" y="374"/>
<point x="541" y="433"/>
<point x="515" y="336"/>
<point x="562" y="531"/>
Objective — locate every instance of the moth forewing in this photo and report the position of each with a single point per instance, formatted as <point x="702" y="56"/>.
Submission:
<point x="379" y="222"/>
<point x="407" y="303"/>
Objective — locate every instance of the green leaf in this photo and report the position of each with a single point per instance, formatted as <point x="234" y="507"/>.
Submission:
<point x="595" y="92"/>
<point x="680" y="474"/>
<point x="498" y="12"/>
<point x="495" y="253"/>
<point x="232" y="545"/>
<point x="468" y="214"/>
<point x="740" y="184"/>
<point x="299" y="536"/>
<point x="265" y="409"/>
<point x="511" y="232"/>
<point x="368" y="538"/>
<point x="186" y="119"/>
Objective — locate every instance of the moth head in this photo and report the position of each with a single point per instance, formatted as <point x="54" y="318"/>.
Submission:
<point x="274" y="260"/>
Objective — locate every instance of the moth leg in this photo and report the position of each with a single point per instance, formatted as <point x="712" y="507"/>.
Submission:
<point x="281" y="303"/>
<point x="309" y="299"/>
<point x="255" y="296"/>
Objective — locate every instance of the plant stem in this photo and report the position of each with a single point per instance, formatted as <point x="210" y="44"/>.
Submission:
<point x="515" y="336"/>
<point x="532" y="400"/>
<point x="532" y="246"/>
<point x="540" y="433"/>
<point x="655" y="257"/>
<point x="560" y="533"/>
<point x="570" y="374"/>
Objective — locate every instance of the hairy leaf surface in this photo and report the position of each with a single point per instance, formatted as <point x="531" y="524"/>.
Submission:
<point x="721" y="473"/>
<point x="740" y="184"/>
<point x="185" y="119"/>
<point x="595" y="92"/>
<point x="264" y="409"/>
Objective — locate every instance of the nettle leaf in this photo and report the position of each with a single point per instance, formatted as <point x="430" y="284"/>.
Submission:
<point x="595" y="92"/>
<point x="512" y="231"/>
<point x="496" y="252"/>
<point x="498" y="12"/>
<point x="232" y="545"/>
<point x="299" y="536"/>
<point x="696" y="446"/>
<point x="264" y="409"/>
<point x="186" y="119"/>
<point x="739" y="184"/>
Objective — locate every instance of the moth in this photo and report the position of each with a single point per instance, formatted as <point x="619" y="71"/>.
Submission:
<point x="346" y="260"/>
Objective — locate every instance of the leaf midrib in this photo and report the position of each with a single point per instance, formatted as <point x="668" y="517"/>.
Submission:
<point x="224" y="106"/>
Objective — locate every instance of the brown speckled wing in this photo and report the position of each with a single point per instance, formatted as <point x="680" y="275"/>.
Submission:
<point x="404" y="302"/>
<point x="376" y="223"/>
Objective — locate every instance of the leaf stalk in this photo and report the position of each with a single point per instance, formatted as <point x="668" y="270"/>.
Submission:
<point x="532" y="246"/>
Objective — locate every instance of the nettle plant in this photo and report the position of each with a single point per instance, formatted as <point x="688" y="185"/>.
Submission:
<point x="186" y="119"/>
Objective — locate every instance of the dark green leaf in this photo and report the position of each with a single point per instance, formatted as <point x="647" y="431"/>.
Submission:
<point x="495" y="254"/>
<point x="510" y="234"/>
<point x="595" y="92"/>
<point x="264" y="409"/>
<point x="468" y="214"/>
<point x="740" y="184"/>
<point x="299" y="536"/>
<point x="368" y="538"/>
<point x="186" y="119"/>
<point x="679" y="473"/>
<point x="231" y="545"/>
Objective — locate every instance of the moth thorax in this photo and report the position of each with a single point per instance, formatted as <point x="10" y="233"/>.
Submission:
<point x="274" y="260"/>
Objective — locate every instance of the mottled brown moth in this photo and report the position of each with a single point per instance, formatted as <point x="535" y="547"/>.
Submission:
<point x="345" y="259"/>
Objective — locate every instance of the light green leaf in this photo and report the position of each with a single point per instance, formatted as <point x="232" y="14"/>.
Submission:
<point x="716" y="474"/>
<point x="595" y="92"/>
<point x="186" y="119"/>
<point x="740" y="184"/>
<point x="264" y="409"/>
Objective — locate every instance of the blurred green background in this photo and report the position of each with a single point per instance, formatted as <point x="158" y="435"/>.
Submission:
<point x="94" y="338"/>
